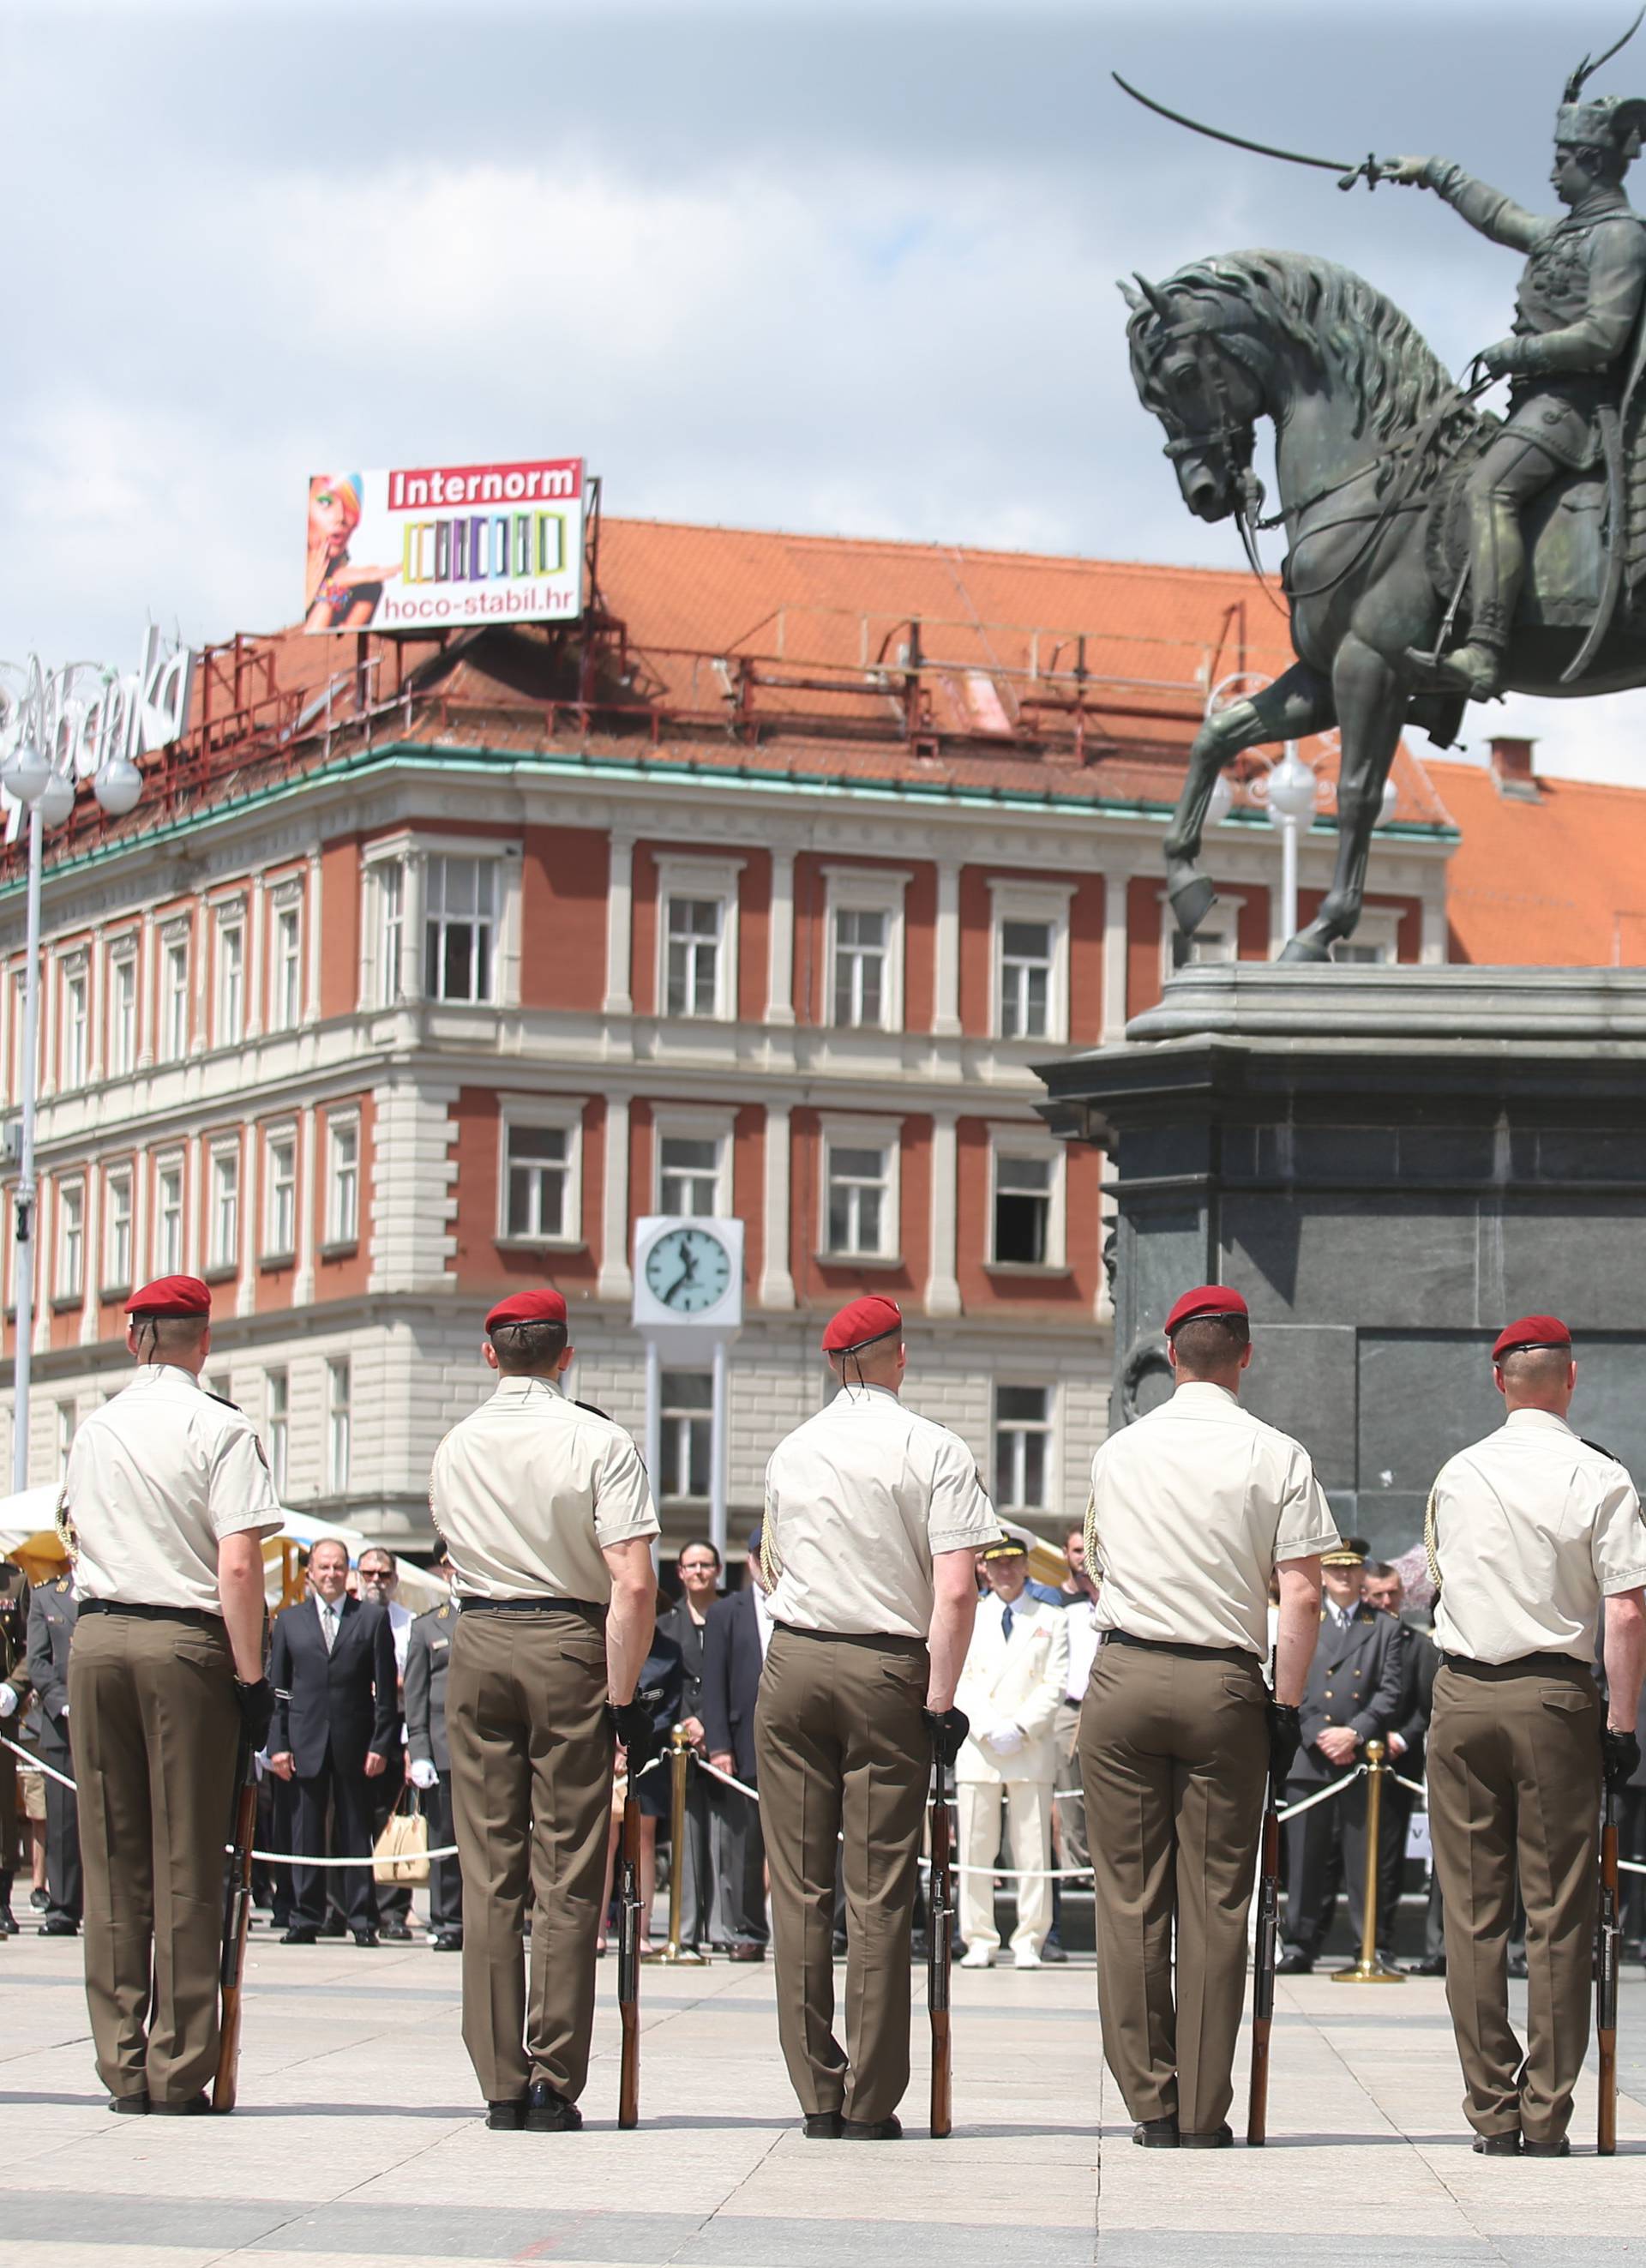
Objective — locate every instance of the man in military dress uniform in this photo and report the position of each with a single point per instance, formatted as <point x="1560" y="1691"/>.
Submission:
<point x="52" y="1614"/>
<point x="1194" y="1511"/>
<point x="874" y="1517"/>
<point x="169" y="1498"/>
<point x="429" y="1763"/>
<point x="14" y="1692"/>
<point x="1529" y="1532"/>
<point x="545" y="1508"/>
<point x="1576" y="327"/>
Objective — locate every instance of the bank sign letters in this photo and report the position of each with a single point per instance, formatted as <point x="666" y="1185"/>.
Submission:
<point x="465" y="544"/>
<point x="132" y="717"/>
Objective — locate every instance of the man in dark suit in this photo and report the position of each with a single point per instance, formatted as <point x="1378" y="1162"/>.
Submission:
<point x="1408" y="1741"/>
<point x="735" y="1639"/>
<point x="52" y="1613"/>
<point x="336" y="1727"/>
<point x="688" y="1624"/>
<point x="1353" y="1695"/>
<point x="428" y="1762"/>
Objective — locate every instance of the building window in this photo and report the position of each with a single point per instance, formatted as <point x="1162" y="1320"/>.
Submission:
<point x="1026" y="950"/>
<point x="280" y="1201"/>
<point x="861" y="1196"/>
<point x="389" y="875"/>
<point x="459" y="929"/>
<point x="687" y="1432"/>
<point x="342" y="1180"/>
<point x="285" y="985"/>
<point x="1214" y="940"/>
<point x="70" y="1240"/>
<point x="865" y="948"/>
<point x="688" y="1174"/>
<point x="225" y="1208"/>
<point x="1023" y="1433"/>
<point x="1023" y="1211"/>
<point x="117" y="1228"/>
<point x="279" y="1415"/>
<point x="168" y="1218"/>
<point x="123" y="1012"/>
<point x="174" y="1001"/>
<point x="539" y="1167"/>
<point x="76" y="991"/>
<point x="860" y="955"/>
<point x="228" y="1001"/>
<point x="693" y="956"/>
<point x="66" y="1424"/>
<point x="1376" y="942"/>
<point x="337" y="1425"/>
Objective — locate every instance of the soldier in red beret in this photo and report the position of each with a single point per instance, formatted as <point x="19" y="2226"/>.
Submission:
<point x="546" y="1513"/>
<point x="1194" y="1510"/>
<point x="168" y="1497"/>
<point x="1531" y="1535"/>
<point x="873" y="1520"/>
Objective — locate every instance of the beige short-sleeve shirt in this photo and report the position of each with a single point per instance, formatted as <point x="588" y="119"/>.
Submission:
<point x="859" y="1500"/>
<point x="1192" y="1508"/>
<point x="1532" y="1530"/>
<point x="156" y="1479"/>
<point x="530" y="1490"/>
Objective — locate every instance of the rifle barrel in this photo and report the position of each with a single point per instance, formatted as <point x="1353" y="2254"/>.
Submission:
<point x="236" y="1915"/>
<point x="1606" y="1983"/>
<point x="940" y="1945"/>
<point x="628" y="1965"/>
<point x="1263" y="1975"/>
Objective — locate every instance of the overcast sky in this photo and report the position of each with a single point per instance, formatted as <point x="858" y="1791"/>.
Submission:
<point x="782" y="265"/>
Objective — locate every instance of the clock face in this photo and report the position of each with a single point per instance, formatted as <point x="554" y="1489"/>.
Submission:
<point x="688" y="1270"/>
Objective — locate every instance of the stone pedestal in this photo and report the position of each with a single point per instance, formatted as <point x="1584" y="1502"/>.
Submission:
<point x="1389" y="1163"/>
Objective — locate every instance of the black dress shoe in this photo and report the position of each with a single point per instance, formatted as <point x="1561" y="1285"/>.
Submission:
<point x="1293" y="1963"/>
<point x="746" y="1952"/>
<point x="1156" y="2133"/>
<point x="506" y="2118"/>
<point x="871" y="2130"/>
<point x="130" y="2106"/>
<point x="1053" y="1951"/>
<point x="821" y="2126"/>
<point x="192" y="2106"/>
<point x="59" y="1925"/>
<point x="300" y="1933"/>
<point x="548" y="2112"/>
<point x="395" y="1933"/>
<point x="1560" y="2149"/>
<point x="1221" y="2138"/>
<point x="8" y="1922"/>
<point x="366" y="1937"/>
<point x="446" y="1941"/>
<point x="1432" y="1964"/>
<point x="1498" y="2145"/>
<point x="39" y="1899"/>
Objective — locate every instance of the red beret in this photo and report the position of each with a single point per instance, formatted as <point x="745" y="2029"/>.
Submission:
<point x="528" y="1307"/>
<point x="1205" y="1300"/>
<point x="860" y="1322"/>
<point x="171" y="1295"/>
<point x="1531" y="1331"/>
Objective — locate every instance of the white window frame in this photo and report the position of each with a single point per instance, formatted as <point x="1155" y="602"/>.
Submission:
<point x="1015" y="1141"/>
<point x="1048" y="1430"/>
<point x="74" y="1032"/>
<point x="68" y="1259"/>
<point x="481" y="853"/>
<point x="116" y="1273"/>
<point x="224" y="1199"/>
<point x="863" y="1134"/>
<point x="551" y="1115"/>
<point x="68" y="1426"/>
<point x="668" y="1125"/>
<point x="339" y="1424"/>
<point x="120" y="1060"/>
<point x="285" y="905"/>
<point x="169" y="1260"/>
<point x="383" y="928"/>
<point x="1379" y="926"/>
<point x="867" y="890"/>
<point x="280" y="1134"/>
<point x="228" y="977"/>
<point x="176" y="1029"/>
<point x="1015" y="901"/>
<point x="714" y="879"/>
<point x="277" y="1427"/>
<point x="669" y="1424"/>
<point x="342" y="1228"/>
<point x="1222" y="923"/>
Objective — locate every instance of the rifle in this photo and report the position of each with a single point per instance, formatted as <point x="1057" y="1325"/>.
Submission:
<point x="1263" y="1971"/>
<point x="940" y="1948"/>
<point x="629" y="1959"/>
<point x="236" y="1915"/>
<point x="1606" y="1980"/>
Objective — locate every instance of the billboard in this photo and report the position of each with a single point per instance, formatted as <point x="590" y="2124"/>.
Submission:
<point x="438" y="546"/>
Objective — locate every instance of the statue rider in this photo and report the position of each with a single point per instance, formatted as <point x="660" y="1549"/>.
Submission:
<point x="1578" y="309"/>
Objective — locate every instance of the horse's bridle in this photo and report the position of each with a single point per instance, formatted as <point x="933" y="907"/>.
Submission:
<point x="1234" y="438"/>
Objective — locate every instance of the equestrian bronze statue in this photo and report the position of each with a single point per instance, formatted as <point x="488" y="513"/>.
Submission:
<point x="1436" y="554"/>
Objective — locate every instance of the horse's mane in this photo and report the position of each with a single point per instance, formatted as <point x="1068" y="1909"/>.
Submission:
<point x="1336" y="321"/>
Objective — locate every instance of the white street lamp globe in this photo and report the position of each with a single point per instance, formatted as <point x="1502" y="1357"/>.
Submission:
<point x="25" y="772"/>
<point x="56" y="801"/>
<point x="1292" y="789"/>
<point x="1220" y="803"/>
<point x="1391" y="799"/>
<point x="118" y="786"/>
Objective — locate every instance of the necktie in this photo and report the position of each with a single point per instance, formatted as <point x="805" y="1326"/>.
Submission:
<point x="1006" y="1619"/>
<point x="328" y="1626"/>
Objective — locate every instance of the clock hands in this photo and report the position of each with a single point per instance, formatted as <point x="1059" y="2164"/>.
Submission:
<point x="689" y="1273"/>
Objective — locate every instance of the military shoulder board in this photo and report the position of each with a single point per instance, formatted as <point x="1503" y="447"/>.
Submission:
<point x="1600" y="1449"/>
<point x="223" y="1399"/>
<point x="594" y="1410"/>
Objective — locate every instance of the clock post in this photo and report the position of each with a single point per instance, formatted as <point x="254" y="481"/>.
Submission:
<point x="688" y="1308"/>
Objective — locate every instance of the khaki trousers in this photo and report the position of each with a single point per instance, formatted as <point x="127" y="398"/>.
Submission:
<point x="155" y="1731"/>
<point x="1514" y="1785"/>
<point x="1174" y="1753"/>
<point x="842" y="1747"/>
<point x="1029" y="1822"/>
<point x="531" y="1798"/>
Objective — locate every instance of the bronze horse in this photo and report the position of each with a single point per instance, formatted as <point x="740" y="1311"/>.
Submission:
<point x="1369" y="428"/>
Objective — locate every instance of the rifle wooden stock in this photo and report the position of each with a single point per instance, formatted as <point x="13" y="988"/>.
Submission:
<point x="1607" y="1982"/>
<point x="236" y="1915"/>
<point x="629" y="1961"/>
<point x="1263" y="1972"/>
<point x="940" y="1949"/>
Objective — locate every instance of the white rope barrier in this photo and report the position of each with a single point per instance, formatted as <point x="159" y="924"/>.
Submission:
<point x="39" y="1765"/>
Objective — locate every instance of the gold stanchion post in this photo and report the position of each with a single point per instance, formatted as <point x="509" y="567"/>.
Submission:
<point x="680" y="1764"/>
<point x="1369" y="1970"/>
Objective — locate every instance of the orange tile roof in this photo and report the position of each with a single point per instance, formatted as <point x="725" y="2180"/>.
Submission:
<point x="1554" y="879"/>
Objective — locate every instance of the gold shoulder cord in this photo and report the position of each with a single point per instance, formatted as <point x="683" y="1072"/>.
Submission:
<point x="64" y="1524"/>
<point x="1431" y="1539"/>
<point x="771" y="1563"/>
<point x="1089" y="1531"/>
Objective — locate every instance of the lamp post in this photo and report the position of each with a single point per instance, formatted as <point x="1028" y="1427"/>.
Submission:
<point x="41" y="739"/>
<point x="1289" y="790"/>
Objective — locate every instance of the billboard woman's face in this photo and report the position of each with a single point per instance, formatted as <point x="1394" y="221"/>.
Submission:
<point x="333" y="514"/>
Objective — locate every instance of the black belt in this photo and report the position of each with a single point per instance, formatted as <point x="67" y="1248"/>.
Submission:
<point x="196" y="1618"/>
<point x="585" y="1609"/>
<point x="1188" y="1652"/>
<point x="1539" y="1663"/>
<point x="888" y="1641"/>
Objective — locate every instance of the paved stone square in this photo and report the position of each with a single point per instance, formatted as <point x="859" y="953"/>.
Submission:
<point x="359" y="2141"/>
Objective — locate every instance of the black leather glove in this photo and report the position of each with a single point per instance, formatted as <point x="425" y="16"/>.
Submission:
<point x="636" y="1733"/>
<point x="1619" y="1757"/>
<point x="1285" y="1738"/>
<point x="257" y="1709"/>
<point x="948" y="1728"/>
